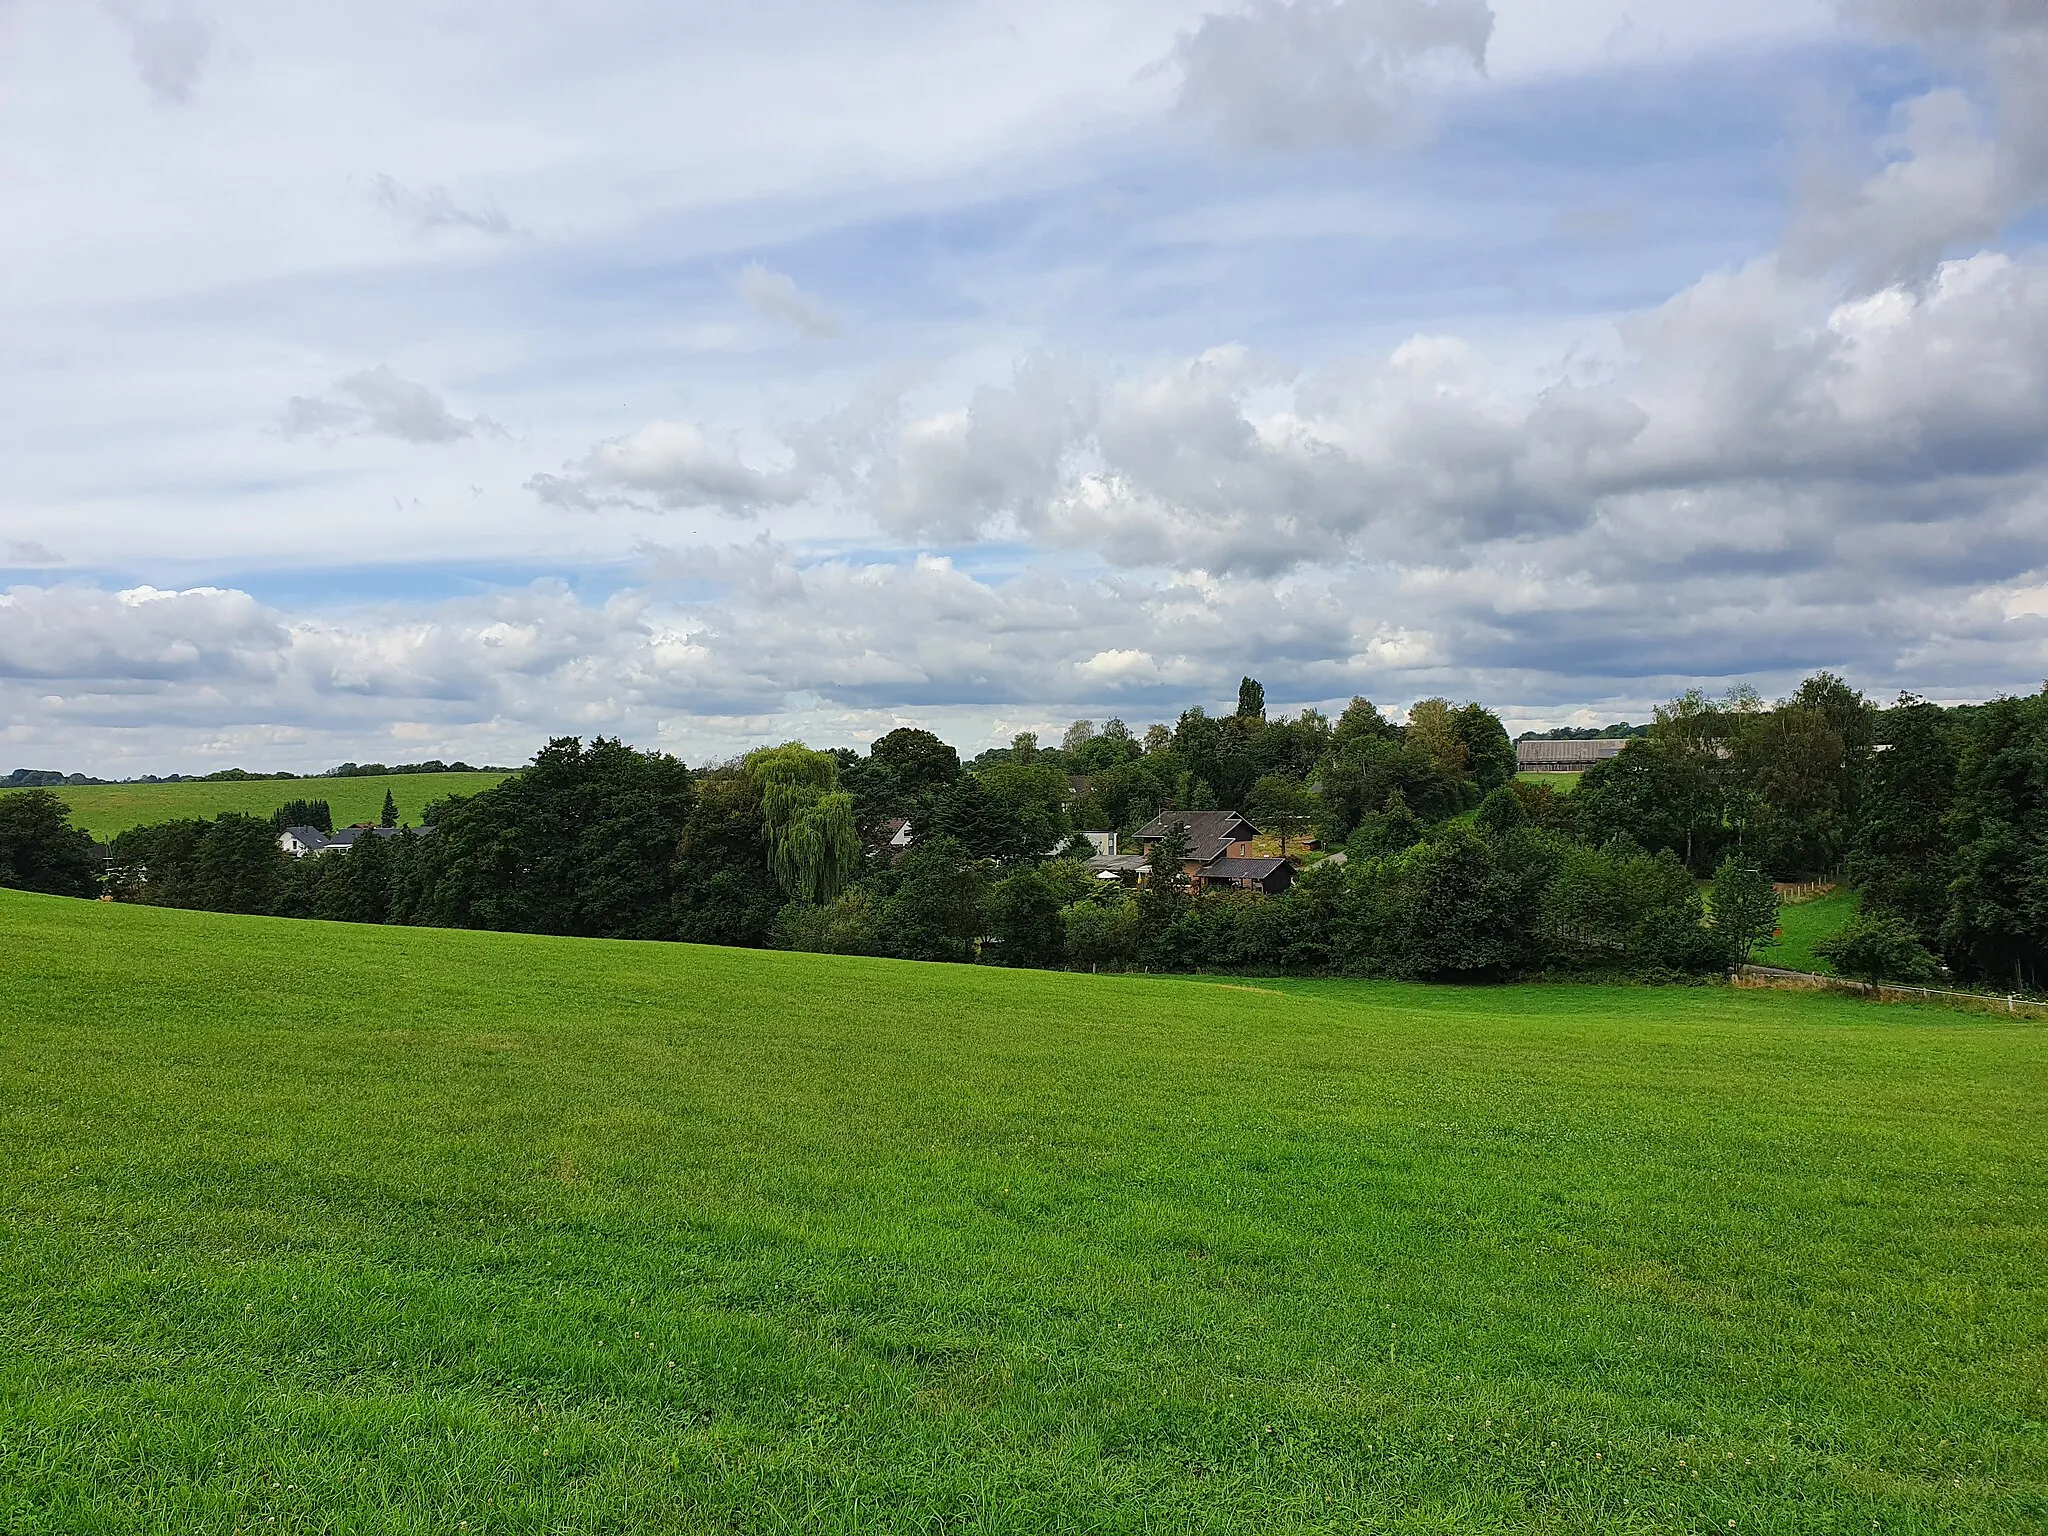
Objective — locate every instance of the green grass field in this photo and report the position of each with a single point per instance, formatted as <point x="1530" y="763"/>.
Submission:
<point x="107" y="809"/>
<point x="1563" y="783"/>
<point x="318" y="1228"/>
<point x="1805" y="925"/>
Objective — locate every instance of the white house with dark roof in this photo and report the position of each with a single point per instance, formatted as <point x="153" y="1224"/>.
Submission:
<point x="300" y="841"/>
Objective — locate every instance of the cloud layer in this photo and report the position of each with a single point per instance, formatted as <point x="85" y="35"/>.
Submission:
<point x="1368" y="401"/>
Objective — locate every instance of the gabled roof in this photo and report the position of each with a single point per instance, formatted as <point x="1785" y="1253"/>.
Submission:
<point x="1242" y="869"/>
<point x="347" y="836"/>
<point x="1269" y="875"/>
<point x="312" y="837"/>
<point x="1210" y="833"/>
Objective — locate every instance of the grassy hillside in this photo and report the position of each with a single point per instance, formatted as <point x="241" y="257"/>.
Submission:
<point x="105" y="809"/>
<point x="1563" y="783"/>
<point x="310" y="1227"/>
<point x="1805" y="925"/>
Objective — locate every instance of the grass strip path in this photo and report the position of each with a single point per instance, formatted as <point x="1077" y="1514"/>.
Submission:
<point x="306" y="1227"/>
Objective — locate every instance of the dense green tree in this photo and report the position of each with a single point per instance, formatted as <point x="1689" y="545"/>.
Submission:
<point x="1387" y="830"/>
<point x="354" y="886"/>
<point x="1790" y="797"/>
<point x="1033" y="797"/>
<point x="239" y="866"/>
<point x="1164" y="897"/>
<point x="1102" y="930"/>
<point x="1026" y="912"/>
<point x="918" y="761"/>
<point x="1616" y="908"/>
<point x="1995" y="929"/>
<point x="724" y="890"/>
<point x="39" y="848"/>
<point x="1433" y="730"/>
<point x="985" y="824"/>
<point x="583" y="841"/>
<point x="1744" y="908"/>
<point x="1281" y="806"/>
<point x="1451" y="909"/>
<point x="158" y="864"/>
<point x="855" y="922"/>
<point x="316" y="814"/>
<point x="1122" y="797"/>
<point x="1489" y="755"/>
<point x="937" y="911"/>
<point x="1356" y="780"/>
<point x="1664" y="792"/>
<point x="1362" y="720"/>
<point x="389" y="818"/>
<point x="1901" y="855"/>
<point x="1500" y="813"/>
<point x="1251" y="699"/>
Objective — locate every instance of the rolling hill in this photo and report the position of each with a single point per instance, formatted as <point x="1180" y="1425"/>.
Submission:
<point x="316" y="1227"/>
<point x="105" y="810"/>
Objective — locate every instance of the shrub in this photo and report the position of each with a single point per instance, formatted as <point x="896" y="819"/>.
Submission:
<point x="1102" y="932"/>
<point x="1876" y="946"/>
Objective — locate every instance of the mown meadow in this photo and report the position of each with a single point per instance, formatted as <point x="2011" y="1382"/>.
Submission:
<point x="105" y="810"/>
<point x="321" y="1227"/>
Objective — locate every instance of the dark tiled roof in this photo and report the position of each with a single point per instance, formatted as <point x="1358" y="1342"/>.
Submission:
<point x="347" y="836"/>
<point x="312" y="837"/>
<point x="1210" y="833"/>
<point x="1260" y="871"/>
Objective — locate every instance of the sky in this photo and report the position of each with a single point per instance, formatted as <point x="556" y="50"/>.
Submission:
<point x="430" y="379"/>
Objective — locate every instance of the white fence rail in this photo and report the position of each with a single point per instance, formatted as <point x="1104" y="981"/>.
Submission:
<point x="1887" y="992"/>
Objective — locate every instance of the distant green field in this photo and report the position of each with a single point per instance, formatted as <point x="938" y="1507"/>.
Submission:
<point x="105" y="809"/>
<point x="1564" y="783"/>
<point x="310" y="1227"/>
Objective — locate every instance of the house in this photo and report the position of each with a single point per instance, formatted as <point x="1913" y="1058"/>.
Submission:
<point x="892" y="838"/>
<point x="1104" y="843"/>
<point x="1212" y="835"/>
<point x="300" y="841"/>
<point x="1219" y="851"/>
<point x="348" y="837"/>
<point x="1565" y="756"/>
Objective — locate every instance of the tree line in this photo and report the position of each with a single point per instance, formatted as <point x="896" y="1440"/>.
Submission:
<point x="1659" y="863"/>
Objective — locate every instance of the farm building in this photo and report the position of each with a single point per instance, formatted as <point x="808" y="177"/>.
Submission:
<point x="1565" y="756"/>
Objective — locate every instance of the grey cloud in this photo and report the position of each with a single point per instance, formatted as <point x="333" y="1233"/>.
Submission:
<point x="665" y="466"/>
<point x="1965" y="158"/>
<point x="170" y="45"/>
<point x="436" y="208"/>
<point x="1300" y="74"/>
<point x="79" y="634"/>
<point x="926" y="639"/>
<point x="776" y="294"/>
<point x="28" y="552"/>
<point x="1922" y="401"/>
<point x="957" y="475"/>
<point x="380" y="402"/>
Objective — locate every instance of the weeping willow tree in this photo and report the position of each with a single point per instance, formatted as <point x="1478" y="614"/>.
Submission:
<point x="813" y="846"/>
